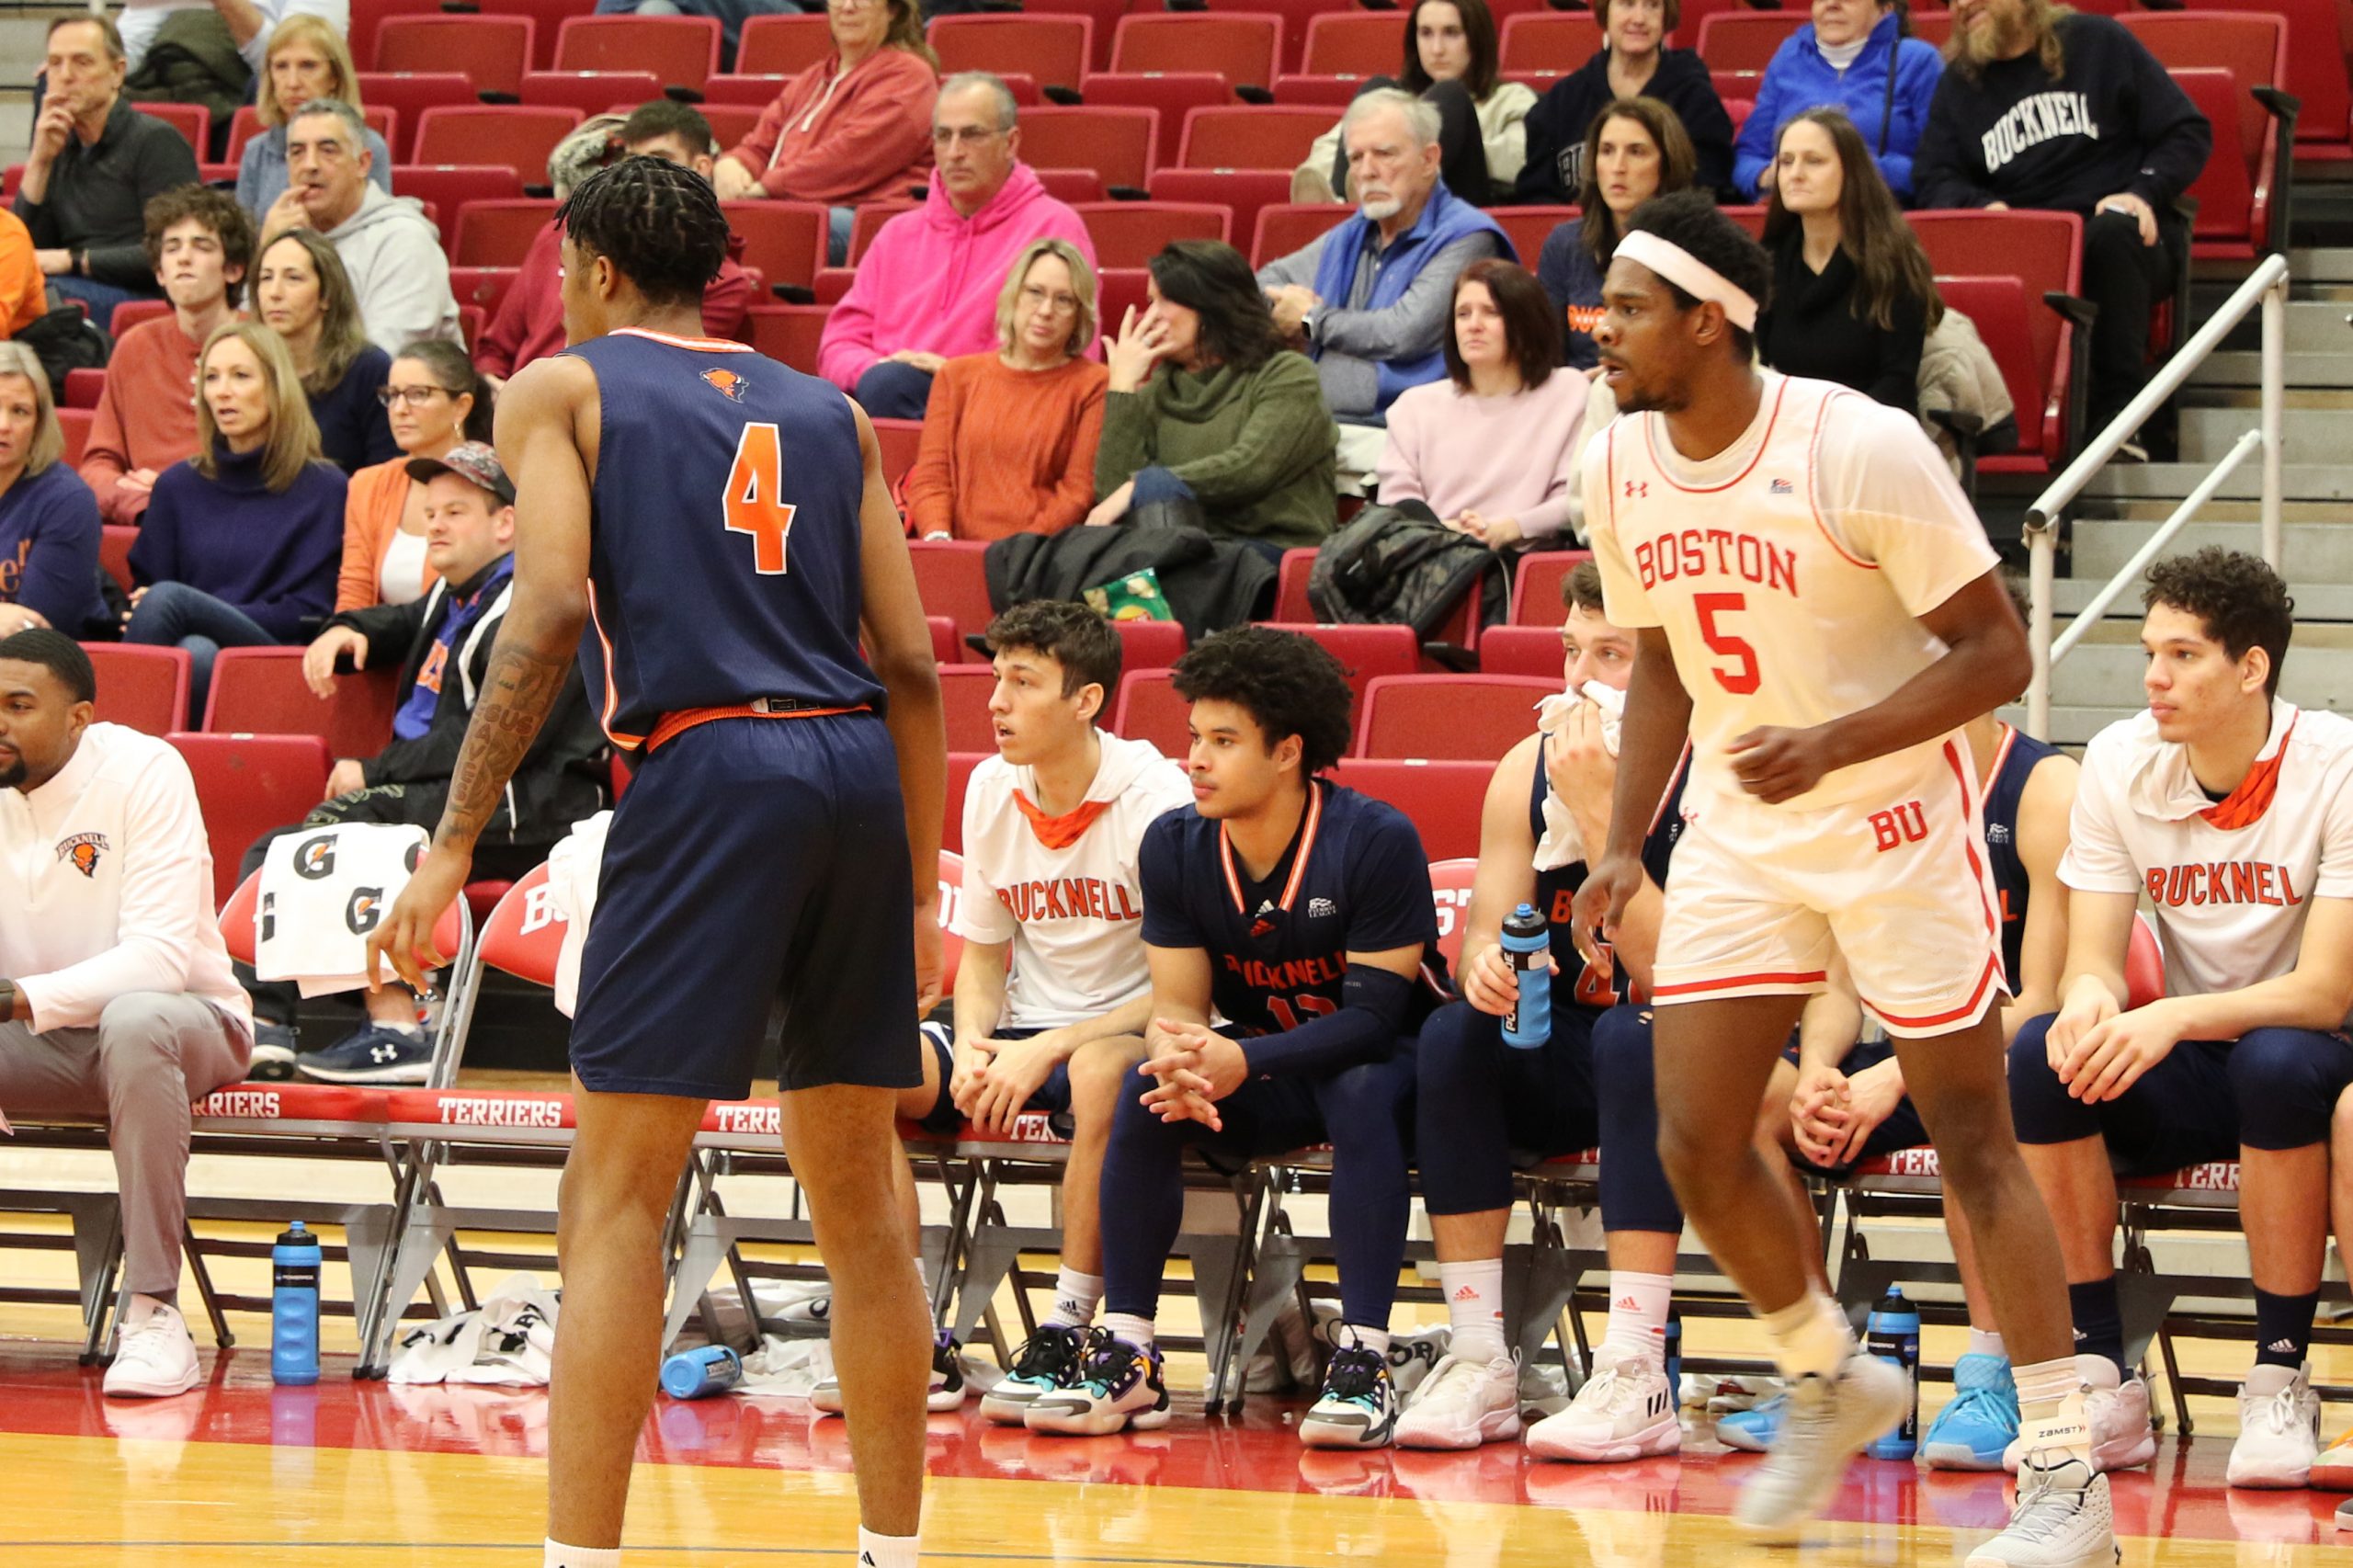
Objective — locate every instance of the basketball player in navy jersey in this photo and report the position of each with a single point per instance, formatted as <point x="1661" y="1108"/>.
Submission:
<point x="1301" y="913"/>
<point x="718" y="526"/>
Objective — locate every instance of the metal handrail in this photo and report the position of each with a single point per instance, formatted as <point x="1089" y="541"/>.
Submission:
<point x="2267" y="286"/>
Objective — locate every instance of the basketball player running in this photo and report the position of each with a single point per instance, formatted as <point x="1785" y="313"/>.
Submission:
<point x="777" y="849"/>
<point x="1819" y="608"/>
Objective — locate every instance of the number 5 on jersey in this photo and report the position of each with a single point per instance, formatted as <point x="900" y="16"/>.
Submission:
<point x="1741" y="680"/>
<point x="755" y="488"/>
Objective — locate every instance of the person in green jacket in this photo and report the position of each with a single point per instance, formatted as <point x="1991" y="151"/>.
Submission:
<point x="1209" y="420"/>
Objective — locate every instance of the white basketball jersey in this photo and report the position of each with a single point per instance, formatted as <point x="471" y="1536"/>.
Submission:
<point x="1789" y="571"/>
<point x="2231" y="881"/>
<point x="1075" y="915"/>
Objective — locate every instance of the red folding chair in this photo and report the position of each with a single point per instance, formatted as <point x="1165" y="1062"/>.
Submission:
<point x="1444" y="799"/>
<point x="249" y="784"/>
<point x="499" y="233"/>
<point x="1745" y="41"/>
<point x="964" y="693"/>
<point x="788" y="333"/>
<point x="1532" y="651"/>
<point x="1334" y="93"/>
<point x="1243" y="48"/>
<point x="261" y="691"/>
<point x="1130" y="233"/>
<point x="1254" y="136"/>
<point x="785" y="240"/>
<point x="1557" y="41"/>
<point x="1149" y="644"/>
<point x="1056" y="51"/>
<point x="2044" y="252"/>
<point x="782" y="45"/>
<point x="193" y="121"/>
<point x="511" y="134"/>
<point x="1473" y="718"/>
<point x="405" y="95"/>
<point x="1356" y="43"/>
<point x="682" y="51"/>
<point x="491" y="53"/>
<point x="2316" y="68"/>
<point x="1293" y="226"/>
<point x="1119" y="145"/>
<point x="1173" y="94"/>
<point x="143" y="688"/>
<point x="1536" y="589"/>
<point x="951" y="581"/>
<point x="590" y="92"/>
<point x="1150" y="709"/>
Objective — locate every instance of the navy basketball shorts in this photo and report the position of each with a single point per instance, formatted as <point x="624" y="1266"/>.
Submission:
<point x="1901" y="1129"/>
<point x="756" y="867"/>
<point x="944" y="1120"/>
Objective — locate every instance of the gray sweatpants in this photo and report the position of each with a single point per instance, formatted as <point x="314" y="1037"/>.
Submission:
<point x="152" y="1054"/>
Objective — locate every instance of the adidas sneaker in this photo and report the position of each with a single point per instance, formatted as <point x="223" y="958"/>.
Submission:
<point x="1463" y="1404"/>
<point x="1827" y="1421"/>
<point x="2063" y="1520"/>
<point x="1046" y="1363"/>
<point x="2279" y="1439"/>
<point x="1626" y="1411"/>
<point x="1121" y="1387"/>
<point x="1357" y="1408"/>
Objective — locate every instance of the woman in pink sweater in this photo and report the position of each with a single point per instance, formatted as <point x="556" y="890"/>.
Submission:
<point x="852" y="129"/>
<point x="1493" y="449"/>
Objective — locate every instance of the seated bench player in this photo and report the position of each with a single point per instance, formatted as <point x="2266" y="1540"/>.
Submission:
<point x="2232" y="810"/>
<point x="1052" y="990"/>
<point x="1301" y="913"/>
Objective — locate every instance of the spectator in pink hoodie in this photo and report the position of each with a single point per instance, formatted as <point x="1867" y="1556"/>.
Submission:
<point x="927" y="288"/>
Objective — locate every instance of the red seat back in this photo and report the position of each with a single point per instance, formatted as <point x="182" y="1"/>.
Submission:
<point x="1297" y="15"/>
<point x="2044" y="251"/>
<point x="240" y="934"/>
<point x="785" y="240"/>
<point x="193" y="121"/>
<point x="143" y="688"/>
<point x="900" y="440"/>
<point x="1356" y="43"/>
<point x="964" y="693"/>
<point x="1532" y="651"/>
<point x="1245" y="192"/>
<point x="1450" y="883"/>
<point x="1745" y="41"/>
<point x="1444" y="799"/>
<point x="2233" y="191"/>
<point x="1149" y="644"/>
<point x="1150" y="709"/>
<point x="1366" y="652"/>
<point x="499" y="233"/>
<point x="682" y="51"/>
<point x="590" y="92"/>
<point x="2313" y="64"/>
<point x="73" y="423"/>
<point x="1475" y="718"/>
<point x="511" y="134"/>
<point x="1530" y="227"/>
<point x="481" y="288"/>
<point x="1241" y="47"/>
<point x="524" y="933"/>
<point x="1999" y="310"/>
<point x="1173" y="94"/>
<point x="782" y="46"/>
<point x="491" y="53"/>
<point x="1557" y="41"/>
<point x="445" y="189"/>
<point x="248" y="785"/>
<point x="408" y="94"/>
<point x="1130" y="233"/>
<point x="1536" y="589"/>
<point x="1293" y="226"/>
<point x="1102" y="18"/>
<point x="1119" y="145"/>
<point x="951" y="581"/>
<point x="1292" y="606"/>
<point x="261" y="691"/>
<point x="1335" y="93"/>
<point x="1057" y="51"/>
<point x="789" y="333"/>
<point x="1268" y="137"/>
<point x="131" y="313"/>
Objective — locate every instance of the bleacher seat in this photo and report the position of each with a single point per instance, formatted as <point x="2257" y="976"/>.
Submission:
<point x="1245" y="192"/>
<point x="2242" y="200"/>
<point x="1292" y="606"/>
<point x="247" y="785"/>
<point x="1057" y="51"/>
<point x="1355" y="43"/>
<point x="590" y="92"/>
<point x="788" y="333"/>
<point x="899" y="439"/>
<point x="1120" y="145"/>
<point x="2044" y="252"/>
<point x="491" y="53"/>
<point x="1450" y="883"/>
<point x="511" y="134"/>
<point x="2316" y="70"/>
<point x="1117" y="290"/>
<point x="1253" y="137"/>
<point x="959" y="776"/>
<point x="1296" y="15"/>
<point x="1130" y="233"/>
<point x="1148" y="645"/>
<point x="681" y="50"/>
<point x="1102" y="15"/>
<point x="1745" y="41"/>
<point x="131" y="313"/>
<point x="1171" y="94"/>
<point x="445" y="189"/>
<point x="261" y="691"/>
<point x="406" y="95"/>
<point x="84" y="386"/>
<point x="1366" y="652"/>
<point x="1557" y="41"/>
<point x="943" y="645"/>
<point x="499" y="233"/>
<point x="786" y="240"/>
<point x="546" y="17"/>
<point x="1150" y="709"/>
<point x="73" y="423"/>
<point x="1443" y="799"/>
<point x="744" y="92"/>
<point x="143" y="688"/>
<point x="1244" y="48"/>
<point x="950" y="581"/>
<point x="782" y="45"/>
<point x="1335" y="93"/>
<point x="114" y="540"/>
<point x="964" y="693"/>
<point x="193" y="121"/>
<point x="482" y="289"/>
<point x="1536" y="588"/>
<point x="1472" y="718"/>
<point x="1530" y="227"/>
<point x="1292" y="226"/>
<point x="1071" y="187"/>
<point x="1533" y="650"/>
<point x="367" y="15"/>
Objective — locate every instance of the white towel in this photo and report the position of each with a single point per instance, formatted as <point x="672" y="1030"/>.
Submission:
<point x="1562" y="844"/>
<point x="574" y="867"/>
<point x="322" y="891"/>
<point x="509" y="1343"/>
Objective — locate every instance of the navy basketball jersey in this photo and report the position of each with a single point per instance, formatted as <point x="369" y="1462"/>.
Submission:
<point x="1354" y="879"/>
<point x="2018" y="757"/>
<point x="724" y="535"/>
<point x="1596" y="987"/>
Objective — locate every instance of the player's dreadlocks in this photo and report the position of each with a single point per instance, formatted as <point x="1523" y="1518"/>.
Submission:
<point x="658" y="222"/>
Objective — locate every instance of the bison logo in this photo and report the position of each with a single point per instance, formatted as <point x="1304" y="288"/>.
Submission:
<point x="727" y="383"/>
<point x="83" y="850"/>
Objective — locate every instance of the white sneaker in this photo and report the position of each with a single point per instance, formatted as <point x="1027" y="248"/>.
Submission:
<point x="156" y="1359"/>
<point x="2118" y="1411"/>
<point x="2279" y="1429"/>
<point x="1463" y="1404"/>
<point x="2063" y="1520"/>
<point x="1626" y="1411"/>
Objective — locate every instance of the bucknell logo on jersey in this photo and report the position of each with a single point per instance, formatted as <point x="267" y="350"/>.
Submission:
<point x="727" y="383"/>
<point x="83" y="849"/>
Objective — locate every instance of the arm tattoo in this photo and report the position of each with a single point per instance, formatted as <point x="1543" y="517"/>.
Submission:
<point x="521" y="687"/>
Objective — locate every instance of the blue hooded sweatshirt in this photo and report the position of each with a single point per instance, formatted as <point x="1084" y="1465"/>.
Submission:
<point x="1799" y="79"/>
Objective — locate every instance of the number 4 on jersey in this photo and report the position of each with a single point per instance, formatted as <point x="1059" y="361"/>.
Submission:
<point x="754" y="486"/>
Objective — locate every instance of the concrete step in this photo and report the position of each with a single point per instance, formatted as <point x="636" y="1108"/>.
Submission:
<point x="2299" y="481"/>
<point x="2315" y="602"/>
<point x="2312" y="553"/>
<point x="2105" y="669"/>
<point x="2313" y="423"/>
<point x="2236" y="368"/>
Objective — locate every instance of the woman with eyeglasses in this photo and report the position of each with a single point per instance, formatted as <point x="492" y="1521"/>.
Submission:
<point x="303" y="295"/>
<point x="434" y="399"/>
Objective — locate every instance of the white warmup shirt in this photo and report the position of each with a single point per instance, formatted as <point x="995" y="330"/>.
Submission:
<point x="322" y="890"/>
<point x="2232" y="881"/>
<point x="1789" y="571"/>
<point x="1075" y="915"/>
<point x="109" y="885"/>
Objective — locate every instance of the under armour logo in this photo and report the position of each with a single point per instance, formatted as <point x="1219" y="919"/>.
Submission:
<point x="380" y="1054"/>
<point x="1637" y="487"/>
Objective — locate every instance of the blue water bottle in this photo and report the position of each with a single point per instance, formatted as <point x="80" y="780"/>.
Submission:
<point x="1893" y="1334"/>
<point x="1528" y="947"/>
<point x="294" y="1307"/>
<point x="701" y="1372"/>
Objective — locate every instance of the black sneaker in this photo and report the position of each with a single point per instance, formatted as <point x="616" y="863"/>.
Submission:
<point x="377" y="1054"/>
<point x="1047" y="1361"/>
<point x="273" y="1055"/>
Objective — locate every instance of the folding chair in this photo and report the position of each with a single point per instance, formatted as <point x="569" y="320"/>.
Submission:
<point x="2044" y="252"/>
<point x="1535" y="590"/>
<point x="261" y="691"/>
<point x="193" y="121"/>
<point x="1443" y="799"/>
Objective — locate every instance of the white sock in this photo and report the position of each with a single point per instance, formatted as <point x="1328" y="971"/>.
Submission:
<point x="1076" y="1296"/>
<point x="1637" y="1307"/>
<point x="887" y="1550"/>
<point x="1373" y="1340"/>
<point x="1810" y="1336"/>
<point x="924" y="1274"/>
<point x="1983" y="1343"/>
<point x="1135" y="1330"/>
<point x="1475" y="1305"/>
<point x="562" y="1556"/>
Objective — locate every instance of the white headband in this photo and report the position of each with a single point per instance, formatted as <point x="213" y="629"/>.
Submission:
<point x="1694" y="276"/>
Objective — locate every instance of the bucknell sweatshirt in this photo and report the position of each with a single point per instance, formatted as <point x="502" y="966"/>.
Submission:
<point x="2112" y="123"/>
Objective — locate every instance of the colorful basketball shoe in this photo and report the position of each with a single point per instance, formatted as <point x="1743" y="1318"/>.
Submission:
<point x="1121" y="1387"/>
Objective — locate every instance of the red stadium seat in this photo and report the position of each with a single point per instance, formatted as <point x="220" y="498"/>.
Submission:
<point x="445" y="189"/>
<point x="1149" y="644"/>
<point x="1130" y="233"/>
<point x="261" y="691"/>
<point x="1056" y="51"/>
<point x="1335" y="93"/>
<point x="1366" y="652"/>
<point x="1150" y="709"/>
<point x="248" y="785"/>
<point x="491" y="53"/>
<point x="1246" y="192"/>
<point x="1070" y="185"/>
<point x="1557" y="41"/>
<point x="1450" y="883"/>
<point x="960" y="776"/>
<point x="1103" y="17"/>
<point x="237" y="923"/>
<point x="193" y="121"/>
<point x="1243" y="48"/>
<point x="511" y="134"/>
<point x="114" y="540"/>
<point x="1119" y="290"/>
<point x="789" y="333"/>
<point x="1173" y="94"/>
<point x="946" y="648"/>
<point x="73" y="423"/>
<point x="143" y="688"/>
<point x="407" y="94"/>
<point x="1535" y="590"/>
<point x="590" y="92"/>
<point x="2242" y="206"/>
<point x="1292" y="606"/>
<point x="1745" y="41"/>
<point x="1533" y="650"/>
<point x="2316" y="68"/>
<point x="368" y="15"/>
<point x="499" y="233"/>
<point x="900" y="439"/>
<point x="1120" y="145"/>
<point x="1296" y="16"/>
<point x="2144" y="965"/>
<point x="964" y="693"/>
<point x="950" y="582"/>
<point x="1530" y="227"/>
<point x="383" y="118"/>
<point x="782" y="45"/>
<point x="546" y="17"/>
<point x="1252" y="136"/>
<point x="1293" y="226"/>
<point x="2044" y="252"/>
<point x="682" y="51"/>
<point x="85" y="388"/>
<point x="1443" y="799"/>
<point x="786" y="240"/>
<point x="481" y="288"/>
<point x="1355" y="43"/>
<point x="1475" y="718"/>
<point x="131" y="313"/>
<point x="743" y="92"/>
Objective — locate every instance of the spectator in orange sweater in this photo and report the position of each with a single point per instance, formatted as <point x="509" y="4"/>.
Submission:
<point x="434" y="399"/>
<point x="855" y="127"/>
<point x="201" y="243"/>
<point x="1009" y="438"/>
<point x="23" y="295"/>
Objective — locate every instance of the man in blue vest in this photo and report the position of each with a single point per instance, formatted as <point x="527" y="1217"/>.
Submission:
<point x="1370" y="302"/>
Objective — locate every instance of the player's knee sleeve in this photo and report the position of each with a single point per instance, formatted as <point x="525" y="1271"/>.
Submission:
<point x="2039" y="1104"/>
<point x="1636" y="1193"/>
<point x="2286" y="1083"/>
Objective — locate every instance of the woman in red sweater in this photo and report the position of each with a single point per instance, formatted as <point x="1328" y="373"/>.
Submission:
<point x="1009" y="438"/>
